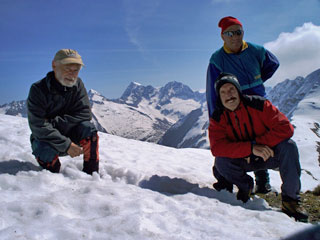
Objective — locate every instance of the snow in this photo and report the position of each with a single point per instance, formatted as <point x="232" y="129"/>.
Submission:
<point x="143" y="191"/>
<point x="136" y="83"/>
<point x="123" y="120"/>
<point x="3" y="110"/>
<point x="144" y="122"/>
<point x="198" y="128"/>
<point x="184" y="107"/>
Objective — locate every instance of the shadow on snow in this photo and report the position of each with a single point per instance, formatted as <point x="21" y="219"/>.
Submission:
<point x="174" y="186"/>
<point x="12" y="167"/>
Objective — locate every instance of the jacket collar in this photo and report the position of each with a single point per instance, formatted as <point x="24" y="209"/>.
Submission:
<point x="54" y="86"/>
<point x="244" y="47"/>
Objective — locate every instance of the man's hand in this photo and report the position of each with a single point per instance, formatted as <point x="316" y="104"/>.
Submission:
<point x="262" y="151"/>
<point x="74" y="150"/>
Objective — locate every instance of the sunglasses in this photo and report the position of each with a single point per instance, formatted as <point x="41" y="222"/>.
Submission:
<point x="232" y="33"/>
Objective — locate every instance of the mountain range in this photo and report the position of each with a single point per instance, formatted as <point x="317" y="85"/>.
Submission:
<point x="142" y="112"/>
<point x="174" y="115"/>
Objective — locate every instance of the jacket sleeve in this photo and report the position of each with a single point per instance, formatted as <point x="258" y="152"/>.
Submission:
<point x="278" y="126"/>
<point x="212" y="74"/>
<point x="79" y="112"/>
<point x="222" y="146"/>
<point x="40" y="126"/>
<point x="269" y="65"/>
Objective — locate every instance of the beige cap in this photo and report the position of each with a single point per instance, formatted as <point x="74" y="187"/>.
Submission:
<point x="67" y="56"/>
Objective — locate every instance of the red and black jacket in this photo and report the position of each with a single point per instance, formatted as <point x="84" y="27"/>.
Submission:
<point x="256" y="120"/>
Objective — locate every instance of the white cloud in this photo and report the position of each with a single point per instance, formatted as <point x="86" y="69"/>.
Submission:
<point x="298" y="53"/>
<point x="137" y="12"/>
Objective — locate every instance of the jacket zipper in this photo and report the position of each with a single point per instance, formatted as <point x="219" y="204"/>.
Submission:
<point x="238" y="124"/>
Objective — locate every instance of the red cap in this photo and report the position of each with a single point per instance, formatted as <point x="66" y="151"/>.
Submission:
<point x="227" y="22"/>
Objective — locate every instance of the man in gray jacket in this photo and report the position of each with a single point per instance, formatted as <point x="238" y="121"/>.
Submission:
<point x="59" y="116"/>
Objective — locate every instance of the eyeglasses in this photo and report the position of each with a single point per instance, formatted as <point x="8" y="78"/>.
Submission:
<point x="232" y="33"/>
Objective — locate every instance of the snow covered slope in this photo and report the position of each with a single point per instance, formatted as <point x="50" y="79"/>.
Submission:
<point x="288" y="94"/>
<point x="143" y="191"/>
<point x="127" y="121"/>
<point x="190" y="131"/>
<point x="144" y="112"/>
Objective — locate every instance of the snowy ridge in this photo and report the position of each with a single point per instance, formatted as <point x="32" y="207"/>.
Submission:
<point x="189" y="131"/>
<point x="288" y="94"/>
<point x="144" y="112"/>
<point x="143" y="191"/>
<point x="15" y="108"/>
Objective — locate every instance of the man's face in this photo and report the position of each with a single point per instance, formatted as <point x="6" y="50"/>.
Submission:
<point x="229" y="96"/>
<point x="66" y="74"/>
<point x="233" y="42"/>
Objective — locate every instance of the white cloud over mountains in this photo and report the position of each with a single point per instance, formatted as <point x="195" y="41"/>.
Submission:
<point x="298" y="52"/>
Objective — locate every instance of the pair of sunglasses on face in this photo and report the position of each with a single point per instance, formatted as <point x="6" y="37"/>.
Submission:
<point x="233" y="33"/>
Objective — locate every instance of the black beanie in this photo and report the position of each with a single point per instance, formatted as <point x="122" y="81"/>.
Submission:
<point x="224" y="78"/>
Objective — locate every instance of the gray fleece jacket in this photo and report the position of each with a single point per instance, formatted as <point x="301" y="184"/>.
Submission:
<point x="54" y="109"/>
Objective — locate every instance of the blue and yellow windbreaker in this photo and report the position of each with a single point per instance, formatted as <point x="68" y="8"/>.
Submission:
<point x="252" y="66"/>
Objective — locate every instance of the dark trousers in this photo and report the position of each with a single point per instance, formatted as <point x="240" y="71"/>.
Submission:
<point x="84" y="134"/>
<point x="286" y="158"/>
<point x="262" y="177"/>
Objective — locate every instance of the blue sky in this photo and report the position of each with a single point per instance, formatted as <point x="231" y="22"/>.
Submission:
<point x="147" y="41"/>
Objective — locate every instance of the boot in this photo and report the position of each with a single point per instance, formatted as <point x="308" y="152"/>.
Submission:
<point x="223" y="185"/>
<point x="263" y="188"/>
<point x="244" y="195"/>
<point x="294" y="209"/>
<point x="262" y="182"/>
<point x="90" y="147"/>
<point x="53" y="166"/>
<point x="90" y="166"/>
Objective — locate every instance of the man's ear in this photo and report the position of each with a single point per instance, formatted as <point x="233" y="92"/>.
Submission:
<point x="54" y="65"/>
<point x="222" y="36"/>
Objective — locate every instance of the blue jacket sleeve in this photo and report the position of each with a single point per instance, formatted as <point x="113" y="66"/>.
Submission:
<point x="270" y="65"/>
<point x="212" y="74"/>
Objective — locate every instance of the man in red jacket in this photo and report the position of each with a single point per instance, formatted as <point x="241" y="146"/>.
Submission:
<point x="259" y="136"/>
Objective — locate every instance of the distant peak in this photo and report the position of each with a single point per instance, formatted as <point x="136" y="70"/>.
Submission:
<point x="92" y="91"/>
<point x="136" y="83"/>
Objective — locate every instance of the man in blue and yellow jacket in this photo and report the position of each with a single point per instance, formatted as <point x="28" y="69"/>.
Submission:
<point x="252" y="64"/>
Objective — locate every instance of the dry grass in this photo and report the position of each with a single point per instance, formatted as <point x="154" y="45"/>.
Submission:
<point x="310" y="201"/>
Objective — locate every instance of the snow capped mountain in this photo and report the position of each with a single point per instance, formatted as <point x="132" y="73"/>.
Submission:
<point x="135" y="93"/>
<point x="169" y="100"/>
<point x="127" y="121"/>
<point x="144" y="112"/>
<point x="288" y="94"/>
<point x="177" y="90"/>
<point x="299" y="97"/>
<point x="189" y="131"/>
<point x="15" y="108"/>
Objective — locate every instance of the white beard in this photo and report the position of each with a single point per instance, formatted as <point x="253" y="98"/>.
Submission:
<point x="67" y="84"/>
